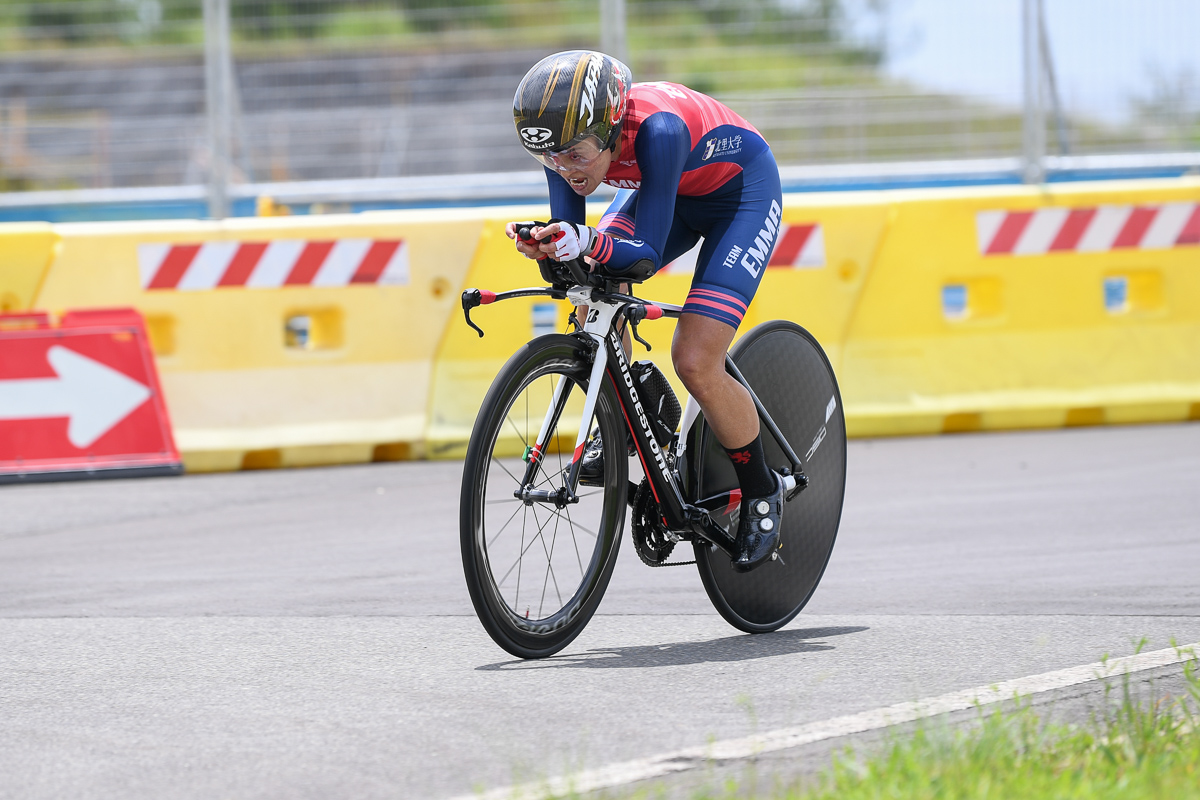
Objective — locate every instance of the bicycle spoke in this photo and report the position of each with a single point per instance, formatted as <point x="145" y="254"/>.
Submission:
<point x="561" y="468"/>
<point x="588" y="531"/>
<point x="549" y="571"/>
<point x="524" y="439"/>
<point x="524" y="550"/>
<point x="500" y="464"/>
<point x="506" y="523"/>
<point x="517" y="596"/>
<point x="575" y="541"/>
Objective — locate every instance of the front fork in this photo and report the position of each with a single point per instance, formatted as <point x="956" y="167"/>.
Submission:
<point x="565" y="495"/>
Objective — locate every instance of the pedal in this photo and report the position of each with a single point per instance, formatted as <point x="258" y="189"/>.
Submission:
<point x="793" y="485"/>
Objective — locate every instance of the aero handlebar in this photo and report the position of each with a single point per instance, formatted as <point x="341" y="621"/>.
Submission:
<point x="635" y="309"/>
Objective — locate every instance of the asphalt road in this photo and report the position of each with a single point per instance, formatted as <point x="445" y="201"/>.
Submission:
<point x="307" y="633"/>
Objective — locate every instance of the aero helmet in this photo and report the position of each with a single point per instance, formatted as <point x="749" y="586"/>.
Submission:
<point x="568" y="97"/>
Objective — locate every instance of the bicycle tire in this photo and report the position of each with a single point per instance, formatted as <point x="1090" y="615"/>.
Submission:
<point x="499" y="532"/>
<point x="792" y="377"/>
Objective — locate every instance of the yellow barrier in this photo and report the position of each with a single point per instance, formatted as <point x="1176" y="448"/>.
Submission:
<point x="1026" y="307"/>
<point x="26" y="251"/>
<point x="284" y="341"/>
<point x="818" y="289"/>
<point x="465" y="364"/>
<point x="290" y="341"/>
<point x="941" y="310"/>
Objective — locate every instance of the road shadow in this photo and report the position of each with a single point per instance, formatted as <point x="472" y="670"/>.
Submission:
<point x="743" y="647"/>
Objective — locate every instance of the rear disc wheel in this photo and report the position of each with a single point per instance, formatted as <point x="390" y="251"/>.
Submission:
<point x="793" y="378"/>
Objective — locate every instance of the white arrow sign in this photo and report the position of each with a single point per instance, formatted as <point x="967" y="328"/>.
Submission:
<point x="93" y="396"/>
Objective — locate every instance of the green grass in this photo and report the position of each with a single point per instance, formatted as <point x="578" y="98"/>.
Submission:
<point x="1140" y="751"/>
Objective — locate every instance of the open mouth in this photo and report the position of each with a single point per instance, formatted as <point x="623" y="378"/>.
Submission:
<point x="577" y="183"/>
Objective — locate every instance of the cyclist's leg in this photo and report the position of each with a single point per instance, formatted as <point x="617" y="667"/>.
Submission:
<point x="620" y="220"/>
<point x="743" y="225"/>
<point x="740" y="228"/>
<point x="698" y="352"/>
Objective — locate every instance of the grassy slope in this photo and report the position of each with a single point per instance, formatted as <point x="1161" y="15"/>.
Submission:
<point x="1142" y="751"/>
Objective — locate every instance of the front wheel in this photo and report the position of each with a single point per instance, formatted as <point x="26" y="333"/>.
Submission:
<point x="792" y="377"/>
<point x="536" y="571"/>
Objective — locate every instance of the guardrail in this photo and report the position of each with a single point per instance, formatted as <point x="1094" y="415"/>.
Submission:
<point x="506" y="188"/>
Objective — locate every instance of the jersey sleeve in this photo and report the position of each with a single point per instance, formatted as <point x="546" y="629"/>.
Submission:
<point x="564" y="202"/>
<point x="662" y="147"/>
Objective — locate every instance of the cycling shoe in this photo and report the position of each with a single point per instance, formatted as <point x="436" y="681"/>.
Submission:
<point x="758" y="529"/>
<point x="591" y="466"/>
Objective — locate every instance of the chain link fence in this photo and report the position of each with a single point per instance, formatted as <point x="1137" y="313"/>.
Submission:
<point x="112" y="93"/>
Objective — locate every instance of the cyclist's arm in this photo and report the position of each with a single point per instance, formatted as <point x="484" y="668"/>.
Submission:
<point x="662" y="147"/>
<point x="565" y="203"/>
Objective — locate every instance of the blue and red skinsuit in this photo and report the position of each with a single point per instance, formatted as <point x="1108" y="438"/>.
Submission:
<point x="688" y="167"/>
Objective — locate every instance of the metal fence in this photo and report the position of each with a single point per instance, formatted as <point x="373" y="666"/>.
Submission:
<point x="114" y="93"/>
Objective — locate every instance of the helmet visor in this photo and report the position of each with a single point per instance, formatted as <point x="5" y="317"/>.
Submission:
<point x="580" y="154"/>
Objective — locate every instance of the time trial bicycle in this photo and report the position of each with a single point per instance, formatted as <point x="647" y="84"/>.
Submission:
<point x="539" y="545"/>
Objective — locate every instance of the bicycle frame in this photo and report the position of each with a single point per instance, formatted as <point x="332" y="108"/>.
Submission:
<point x="608" y="313"/>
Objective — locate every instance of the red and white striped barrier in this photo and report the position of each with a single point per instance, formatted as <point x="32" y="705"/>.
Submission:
<point x="1087" y="230"/>
<point x="799" y="247"/>
<point x="271" y="265"/>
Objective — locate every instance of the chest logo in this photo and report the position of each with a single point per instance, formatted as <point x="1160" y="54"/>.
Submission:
<point x="722" y="146"/>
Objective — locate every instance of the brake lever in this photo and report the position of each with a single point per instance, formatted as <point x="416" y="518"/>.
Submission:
<point x="634" y="333"/>
<point x="473" y="298"/>
<point x="635" y="314"/>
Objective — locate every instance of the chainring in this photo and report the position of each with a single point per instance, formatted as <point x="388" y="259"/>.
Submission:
<point x="652" y="541"/>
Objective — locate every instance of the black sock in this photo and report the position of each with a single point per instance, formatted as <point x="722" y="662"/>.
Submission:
<point x="754" y="476"/>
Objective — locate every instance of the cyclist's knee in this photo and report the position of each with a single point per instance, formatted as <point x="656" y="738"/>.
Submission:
<point x="696" y="366"/>
<point x="698" y="353"/>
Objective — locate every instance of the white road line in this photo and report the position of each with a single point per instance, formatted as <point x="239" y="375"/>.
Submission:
<point x="749" y="746"/>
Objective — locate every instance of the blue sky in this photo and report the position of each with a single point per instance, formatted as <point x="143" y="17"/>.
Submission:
<point x="1105" y="51"/>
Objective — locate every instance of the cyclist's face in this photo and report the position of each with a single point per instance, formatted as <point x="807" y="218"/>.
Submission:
<point x="583" y="166"/>
<point x="586" y="179"/>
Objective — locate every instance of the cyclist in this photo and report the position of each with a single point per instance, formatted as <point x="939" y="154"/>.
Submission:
<point x="688" y="168"/>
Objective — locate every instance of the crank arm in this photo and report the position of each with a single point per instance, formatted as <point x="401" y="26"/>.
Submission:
<point x="701" y="522"/>
<point x="703" y="526"/>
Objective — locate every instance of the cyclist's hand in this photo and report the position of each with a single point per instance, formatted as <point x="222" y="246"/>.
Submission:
<point x="529" y="249"/>
<point x="569" y="240"/>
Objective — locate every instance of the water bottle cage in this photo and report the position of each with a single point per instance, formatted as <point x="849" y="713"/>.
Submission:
<point x="658" y="400"/>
